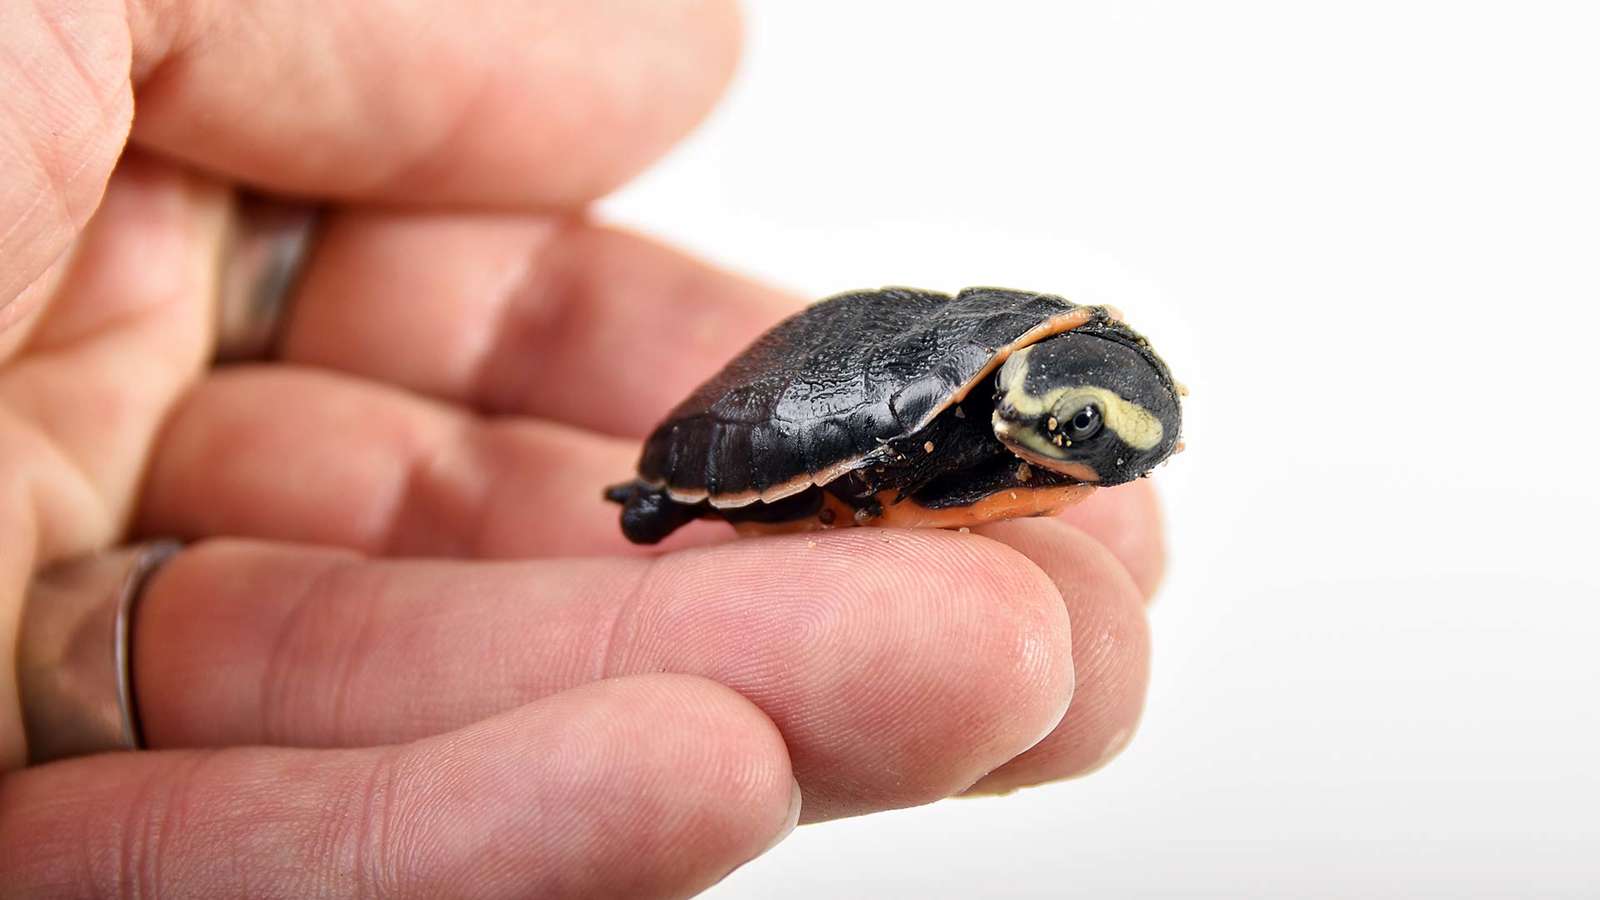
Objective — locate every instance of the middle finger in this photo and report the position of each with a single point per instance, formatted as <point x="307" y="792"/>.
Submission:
<point x="542" y="316"/>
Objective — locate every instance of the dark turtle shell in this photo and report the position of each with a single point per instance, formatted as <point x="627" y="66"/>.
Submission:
<point x="823" y="389"/>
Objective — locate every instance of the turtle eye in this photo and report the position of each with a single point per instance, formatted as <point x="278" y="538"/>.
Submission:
<point x="1084" y="424"/>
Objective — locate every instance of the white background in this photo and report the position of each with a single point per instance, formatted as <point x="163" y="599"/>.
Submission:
<point x="1367" y="235"/>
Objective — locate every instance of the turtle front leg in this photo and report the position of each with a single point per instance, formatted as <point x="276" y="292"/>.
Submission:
<point x="860" y="495"/>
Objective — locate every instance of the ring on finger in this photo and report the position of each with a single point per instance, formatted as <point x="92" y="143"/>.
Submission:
<point x="74" y="665"/>
<point x="266" y="252"/>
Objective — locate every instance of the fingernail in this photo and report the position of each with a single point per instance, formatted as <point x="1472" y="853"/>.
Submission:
<point x="1116" y="745"/>
<point x="791" y="821"/>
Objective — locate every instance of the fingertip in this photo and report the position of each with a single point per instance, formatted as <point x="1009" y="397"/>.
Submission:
<point x="654" y="765"/>
<point x="1110" y="649"/>
<point x="921" y="660"/>
<point x="682" y="57"/>
<point x="1127" y="519"/>
<point x="722" y="27"/>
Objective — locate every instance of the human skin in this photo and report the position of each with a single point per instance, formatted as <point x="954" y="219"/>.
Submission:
<point x="407" y="651"/>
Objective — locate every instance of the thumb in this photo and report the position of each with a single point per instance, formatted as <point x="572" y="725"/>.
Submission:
<point x="62" y="125"/>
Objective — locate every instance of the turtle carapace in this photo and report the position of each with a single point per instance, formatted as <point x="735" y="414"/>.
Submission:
<point x="909" y="408"/>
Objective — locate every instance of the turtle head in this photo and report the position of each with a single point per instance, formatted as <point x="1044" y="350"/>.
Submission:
<point x="1095" y="404"/>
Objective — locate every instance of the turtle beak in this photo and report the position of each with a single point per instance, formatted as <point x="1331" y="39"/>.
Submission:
<point x="1016" y="432"/>
<point x="1008" y="420"/>
<point x="1007" y="423"/>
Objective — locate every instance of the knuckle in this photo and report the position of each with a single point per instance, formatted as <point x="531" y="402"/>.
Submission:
<point x="362" y="829"/>
<point x="149" y="846"/>
<point x="322" y="637"/>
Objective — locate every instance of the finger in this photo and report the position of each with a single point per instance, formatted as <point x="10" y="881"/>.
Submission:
<point x="129" y="330"/>
<point x="63" y="117"/>
<point x="546" y="104"/>
<point x="504" y="103"/>
<point x="899" y="666"/>
<point x="1127" y="520"/>
<point x="315" y="457"/>
<point x="654" y="786"/>
<point x="553" y="318"/>
<point x="1110" y="652"/>
<point x="81" y="405"/>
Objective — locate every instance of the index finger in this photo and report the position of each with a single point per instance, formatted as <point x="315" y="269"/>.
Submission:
<point x="500" y="102"/>
<point x="510" y="103"/>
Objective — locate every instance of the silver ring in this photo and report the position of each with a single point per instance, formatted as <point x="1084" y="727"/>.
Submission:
<point x="264" y="256"/>
<point x="74" y="665"/>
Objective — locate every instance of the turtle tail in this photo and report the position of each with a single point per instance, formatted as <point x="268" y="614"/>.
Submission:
<point x="619" y="493"/>
<point x="648" y="514"/>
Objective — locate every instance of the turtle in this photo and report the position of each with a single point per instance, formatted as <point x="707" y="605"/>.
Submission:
<point x="908" y="407"/>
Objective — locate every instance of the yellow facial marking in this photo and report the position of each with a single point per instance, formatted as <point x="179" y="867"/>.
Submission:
<point x="1135" y="425"/>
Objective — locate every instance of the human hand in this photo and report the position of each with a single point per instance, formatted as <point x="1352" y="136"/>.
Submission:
<point x="359" y="691"/>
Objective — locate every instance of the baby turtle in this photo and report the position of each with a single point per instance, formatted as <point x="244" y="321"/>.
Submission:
<point x="905" y="407"/>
